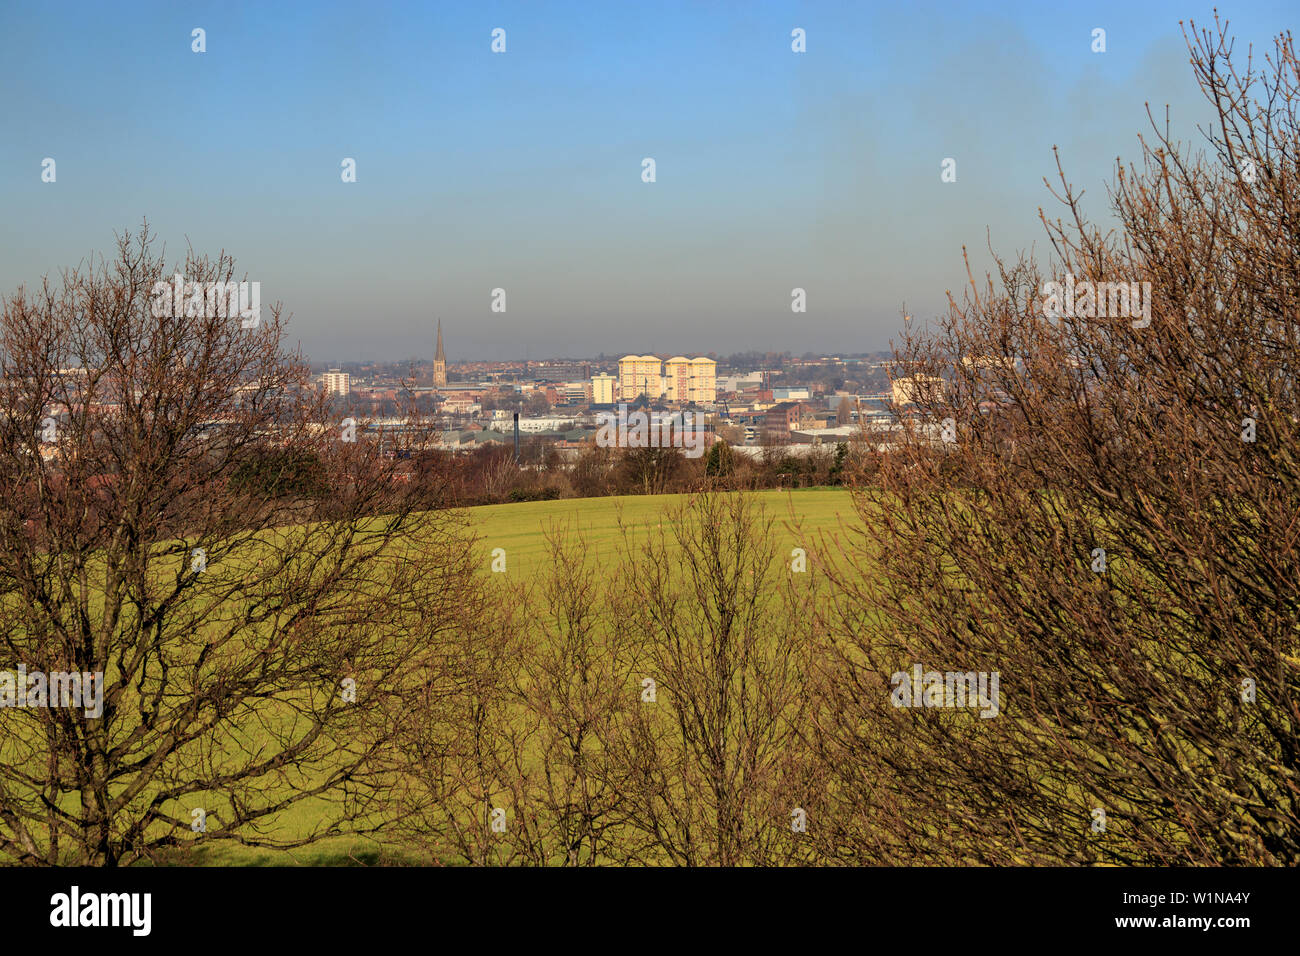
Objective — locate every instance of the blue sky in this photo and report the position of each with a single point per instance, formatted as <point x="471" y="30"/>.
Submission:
<point x="522" y="170"/>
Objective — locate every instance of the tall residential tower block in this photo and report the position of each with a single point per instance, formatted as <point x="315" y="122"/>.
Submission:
<point x="677" y="380"/>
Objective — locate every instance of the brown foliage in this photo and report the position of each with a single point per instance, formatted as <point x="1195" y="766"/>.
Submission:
<point x="1125" y="690"/>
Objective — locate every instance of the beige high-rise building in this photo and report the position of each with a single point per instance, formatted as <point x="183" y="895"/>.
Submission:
<point x="704" y="381"/>
<point x="602" y="389"/>
<point x="640" y="374"/>
<point x="678" y="380"/>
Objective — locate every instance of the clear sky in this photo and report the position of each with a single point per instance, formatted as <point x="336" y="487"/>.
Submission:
<point x="522" y="170"/>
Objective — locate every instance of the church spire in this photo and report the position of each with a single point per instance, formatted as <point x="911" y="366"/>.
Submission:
<point x="439" y="362"/>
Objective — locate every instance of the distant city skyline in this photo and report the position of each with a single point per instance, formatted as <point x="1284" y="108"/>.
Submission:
<point x="336" y="361"/>
<point x="522" y="171"/>
<point x="440" y="362"/>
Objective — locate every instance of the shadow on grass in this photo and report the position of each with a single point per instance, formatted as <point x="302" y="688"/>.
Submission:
<point x="239" y="856"/>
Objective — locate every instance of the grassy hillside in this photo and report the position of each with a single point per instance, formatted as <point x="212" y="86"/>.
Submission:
<point x="520" y="530"/>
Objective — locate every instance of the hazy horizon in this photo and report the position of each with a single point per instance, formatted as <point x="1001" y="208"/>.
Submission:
<point x="522" y="170"/>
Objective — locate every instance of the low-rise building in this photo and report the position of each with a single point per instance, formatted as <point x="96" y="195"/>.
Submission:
<point x="911" y="388"/>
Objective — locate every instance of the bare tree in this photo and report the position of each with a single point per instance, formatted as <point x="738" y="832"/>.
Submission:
<point x="240" y="651"/>
<point x="714" y="767"/>
<point x="573" y="695"/>
<point x="457" y="780"/>
<point x="1100" y="505"/>
<point x="844" y="412"/>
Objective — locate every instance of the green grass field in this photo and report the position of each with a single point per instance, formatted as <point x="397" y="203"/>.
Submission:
<point x="799" y="516"/>
<point x="520" y="528"/>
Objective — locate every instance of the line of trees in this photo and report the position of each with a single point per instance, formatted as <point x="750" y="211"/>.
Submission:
<point x="491" y="475"/>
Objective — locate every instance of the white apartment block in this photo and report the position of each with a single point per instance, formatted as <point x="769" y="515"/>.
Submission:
<point x="336" y="383"/>
<point x="602" y="389"/>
